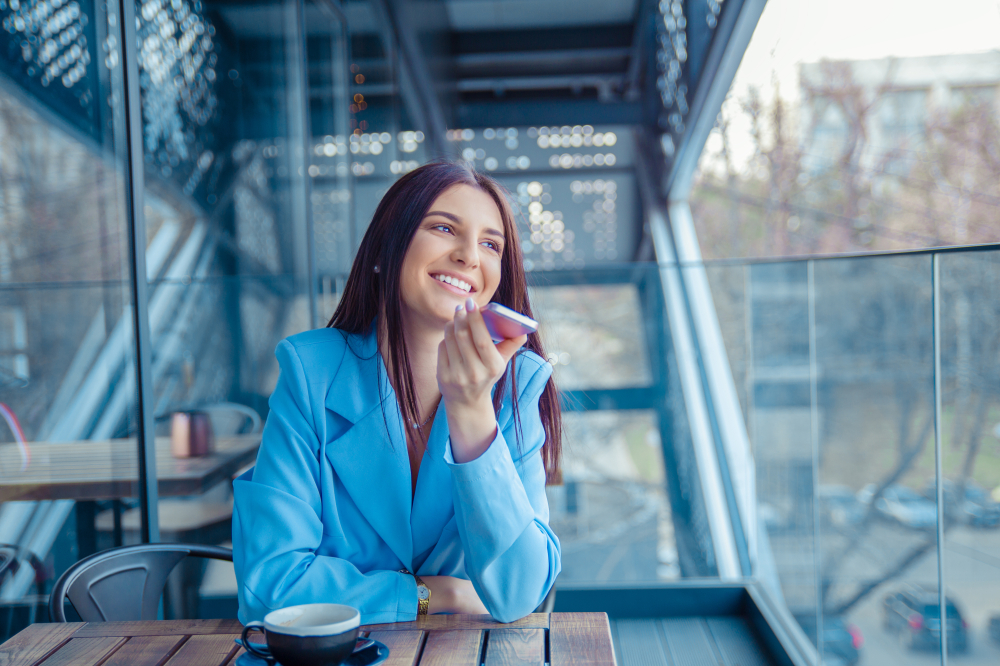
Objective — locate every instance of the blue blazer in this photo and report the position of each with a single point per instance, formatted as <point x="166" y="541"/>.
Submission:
<point x="326" y="515"/>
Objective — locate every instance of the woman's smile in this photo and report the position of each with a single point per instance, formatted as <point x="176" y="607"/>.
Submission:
<point x="454" y="283"/>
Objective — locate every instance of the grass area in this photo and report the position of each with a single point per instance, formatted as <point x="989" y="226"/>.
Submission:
<point x="861" y="440"/>
<point x="648" y="457"/>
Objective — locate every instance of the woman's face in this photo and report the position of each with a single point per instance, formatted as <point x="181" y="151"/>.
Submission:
<point x="454" y="255"/>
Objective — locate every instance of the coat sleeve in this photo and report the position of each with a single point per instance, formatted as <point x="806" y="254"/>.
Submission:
<point x="278" y="527"/>
<point x="511" y="555"/>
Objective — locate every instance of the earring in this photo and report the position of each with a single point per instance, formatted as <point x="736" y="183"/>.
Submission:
<point x="376" y="268"/>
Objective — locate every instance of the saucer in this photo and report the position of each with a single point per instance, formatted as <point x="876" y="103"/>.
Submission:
<point x="374" y="654"/>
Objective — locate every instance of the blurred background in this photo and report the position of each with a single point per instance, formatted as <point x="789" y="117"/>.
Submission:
<point x="761" y="240"/>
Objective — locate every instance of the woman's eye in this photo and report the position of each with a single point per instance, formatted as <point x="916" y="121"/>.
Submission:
<point x="495" y="247"/>
<point x="442" y="227"/>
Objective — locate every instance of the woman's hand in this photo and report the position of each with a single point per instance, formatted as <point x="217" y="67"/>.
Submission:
<point x="453" y="595"/>
<point x="469" y="364"/>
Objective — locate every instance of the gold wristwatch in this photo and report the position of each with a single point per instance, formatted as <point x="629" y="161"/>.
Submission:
<point x="423" y="593"/>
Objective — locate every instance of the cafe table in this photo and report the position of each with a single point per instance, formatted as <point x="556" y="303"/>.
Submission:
<point x="560" y="639"/>
<point x="109" y="469"/>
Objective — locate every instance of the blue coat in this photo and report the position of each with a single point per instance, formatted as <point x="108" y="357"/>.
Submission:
<point x="326" y="515"/>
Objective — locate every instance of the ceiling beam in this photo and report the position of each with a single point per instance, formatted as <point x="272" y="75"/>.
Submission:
<point x="518" y="113"/>
<point x="606" y="85"/>
<point x="544" y="61"/>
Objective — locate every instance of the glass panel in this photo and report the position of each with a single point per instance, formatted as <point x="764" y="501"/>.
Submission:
<point x="67" y="389"/>
<point x="840" y="477"/>
<point x="876" y="434"/>
<point x="384" y="143"/>
<point x="874" y="371"/>
<point x="246" y="155"/>
<point x="971" y="428"/>
<point x="776" y="324"/>
<point x="611" y="513"/>
<point x="593" y="335"/>
<point x="847" y="135"/>
<point x="614" y="512"/>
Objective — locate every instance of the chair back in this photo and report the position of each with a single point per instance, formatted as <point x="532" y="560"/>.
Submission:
<point x="123" y="584"/>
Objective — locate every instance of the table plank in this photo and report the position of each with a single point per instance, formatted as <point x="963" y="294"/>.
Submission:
<point x="145" y="651"/>
<point x="35" y="641"/>
<point x="79" y="651"/>
<point x="458" y="647"/>
<point x="109" y="468"/>
<point x="462" y="622"/>
<point x="253" y="637"/>
<point x="205" y="651"/>
<point x="580" y="638"/>
<point x="515" y="646"/>
<point x="161" y="628"/>
<point x="404" y="646"/>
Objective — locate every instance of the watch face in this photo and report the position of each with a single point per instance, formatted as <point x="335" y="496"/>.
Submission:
<point x="423" y="592"/>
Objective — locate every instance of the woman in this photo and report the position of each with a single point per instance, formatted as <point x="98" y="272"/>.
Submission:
<point x="401" y="439"/>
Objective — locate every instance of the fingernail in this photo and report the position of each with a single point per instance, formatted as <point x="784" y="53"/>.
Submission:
<point x="458" y="308"/>
<point x="470" y="304"/>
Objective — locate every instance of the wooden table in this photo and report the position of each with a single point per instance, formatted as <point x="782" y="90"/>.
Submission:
<point x="109" y="469"/>
<point x="567" y="638"/>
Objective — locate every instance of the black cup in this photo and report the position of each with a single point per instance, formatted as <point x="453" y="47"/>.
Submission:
<point x="307" y="635"/>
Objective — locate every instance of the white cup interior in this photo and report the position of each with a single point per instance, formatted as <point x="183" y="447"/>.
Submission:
<point x="313" y="620"/>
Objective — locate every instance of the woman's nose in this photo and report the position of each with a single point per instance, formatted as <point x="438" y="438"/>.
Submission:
<point x="467" y="253"/>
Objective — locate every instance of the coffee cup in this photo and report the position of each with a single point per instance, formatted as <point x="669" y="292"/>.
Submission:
<point x="306" y="635"/>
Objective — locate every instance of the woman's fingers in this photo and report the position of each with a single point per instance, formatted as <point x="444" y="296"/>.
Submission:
<point x="466" y="345"/>
<point x="509" y="347"/>
<point x="485" y="348"/>
<point x="451" y="344"/>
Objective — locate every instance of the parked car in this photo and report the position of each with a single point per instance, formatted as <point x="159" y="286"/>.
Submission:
<point x="907" y="507"/>
<point x="913" y="614"/>
<point x="977" y="508"/>
<point x="842" y="641"/>
<point x="994" y="628"/>
<point x="838" y="506"/>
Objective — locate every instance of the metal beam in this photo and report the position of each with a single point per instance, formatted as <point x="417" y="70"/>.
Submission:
<point x="135" y="200"/>
<point x="605" y="84"/>
<point x="579" y="59"/>
<point x="732" y="36"/>
<point x="721" y="514"/>
<point x="631" y="397"/>
<point x="416" y="78"/>
<point x="507" y="113"/>
<point x="633" y="77"/>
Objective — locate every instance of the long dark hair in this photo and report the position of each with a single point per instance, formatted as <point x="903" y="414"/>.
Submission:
<point x="369" y="294"/>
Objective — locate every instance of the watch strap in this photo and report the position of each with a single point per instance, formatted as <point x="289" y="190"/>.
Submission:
<point x="423" y="604"/>
<point x="423" y="600"/>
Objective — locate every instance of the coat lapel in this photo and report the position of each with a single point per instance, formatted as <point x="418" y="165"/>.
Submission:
<point x="371" y="460"/>
<point x="432" y="502"/>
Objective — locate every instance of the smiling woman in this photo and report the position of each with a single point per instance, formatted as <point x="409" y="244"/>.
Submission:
<point x="358" y="481"/>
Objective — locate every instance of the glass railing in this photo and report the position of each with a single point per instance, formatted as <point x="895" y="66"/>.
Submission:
<point x="835" y="363"/>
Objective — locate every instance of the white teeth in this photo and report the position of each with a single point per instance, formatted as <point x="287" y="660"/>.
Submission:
<point x="461" y="284"/>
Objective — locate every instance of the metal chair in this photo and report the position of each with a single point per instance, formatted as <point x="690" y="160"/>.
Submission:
<point x="12" y="558"/>
<point x="123" y="584"/>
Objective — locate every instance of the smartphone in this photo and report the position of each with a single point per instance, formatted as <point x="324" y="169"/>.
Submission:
<point x="504" y="323"/>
